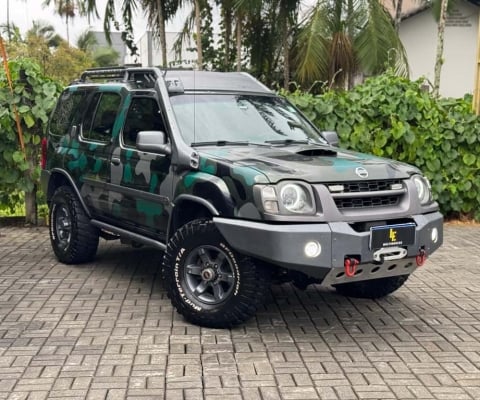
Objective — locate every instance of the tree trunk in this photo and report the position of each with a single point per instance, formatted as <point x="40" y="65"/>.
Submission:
<point x="198" y="25"/>
<point x="440" y="40"/>
<point x="286" y="58"/>
<point x="398" y="14"/>
<point x="239" y="41"/>
<point x="31" y="207"/>
<point x="161" y="33"/>
<point x="68" y="30"/>
<point x="227" y="18"/>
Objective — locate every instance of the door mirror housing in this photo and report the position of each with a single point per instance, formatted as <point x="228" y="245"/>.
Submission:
<point x="331" y="137"/>
<point x="153" y="142"/>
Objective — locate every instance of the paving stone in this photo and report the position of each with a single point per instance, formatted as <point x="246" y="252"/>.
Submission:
<point x="106" y="330"/>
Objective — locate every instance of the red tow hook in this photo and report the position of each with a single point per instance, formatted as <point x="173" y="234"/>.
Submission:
<point x="350" y="265"/>
<point x="421" y="257"/>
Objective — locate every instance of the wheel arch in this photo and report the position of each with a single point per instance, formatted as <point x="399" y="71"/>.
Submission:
<point x="188" y="208"/>
<point x="58" y="178"/>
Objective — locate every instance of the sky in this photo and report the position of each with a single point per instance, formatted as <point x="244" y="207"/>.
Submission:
<point x="22" y="12"/>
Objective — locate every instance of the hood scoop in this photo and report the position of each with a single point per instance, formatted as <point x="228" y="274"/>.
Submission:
<point x="317" y="152"/>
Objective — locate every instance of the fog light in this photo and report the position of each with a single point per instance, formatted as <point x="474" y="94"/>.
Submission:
<point x="434" y="235"/>
<point x="313" y="249"/>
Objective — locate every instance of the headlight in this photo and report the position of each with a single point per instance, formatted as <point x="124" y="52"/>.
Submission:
<point x="288" y="198"/>
<point x="293" y="197"/>
<point x="423" y="189"/>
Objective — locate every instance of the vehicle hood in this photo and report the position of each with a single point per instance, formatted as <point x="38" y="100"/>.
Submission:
<point x="310" y="163"/>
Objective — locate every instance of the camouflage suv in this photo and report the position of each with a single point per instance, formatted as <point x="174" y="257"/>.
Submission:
<point x="234" y="185"/>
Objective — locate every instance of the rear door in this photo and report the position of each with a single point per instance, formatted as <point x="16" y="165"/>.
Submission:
<point x="97" y="134"/>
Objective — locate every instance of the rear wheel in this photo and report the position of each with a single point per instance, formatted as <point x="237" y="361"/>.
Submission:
<point x="74" y="240"/>
<point x="372" y="289"/>
<point x="208" y="282"/>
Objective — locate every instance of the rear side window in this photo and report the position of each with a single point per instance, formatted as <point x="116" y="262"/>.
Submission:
<point x="67" y="113"/>
<point x="100" y="117"/>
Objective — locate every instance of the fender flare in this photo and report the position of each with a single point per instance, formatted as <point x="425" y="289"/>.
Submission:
<point x="190" y="198"/>
<point x="209" y="206"/>
<point x="72" y="184"/>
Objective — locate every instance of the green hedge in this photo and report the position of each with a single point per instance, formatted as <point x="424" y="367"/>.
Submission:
<point x="393" y="117"/>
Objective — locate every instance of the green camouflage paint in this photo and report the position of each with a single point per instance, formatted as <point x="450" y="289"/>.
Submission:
<point x="150" y="209"/>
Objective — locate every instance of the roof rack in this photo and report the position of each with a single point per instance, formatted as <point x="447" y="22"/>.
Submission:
<point x="142" y="77"/>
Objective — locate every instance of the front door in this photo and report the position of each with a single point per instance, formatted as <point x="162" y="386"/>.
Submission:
<point x="139" y="188"/>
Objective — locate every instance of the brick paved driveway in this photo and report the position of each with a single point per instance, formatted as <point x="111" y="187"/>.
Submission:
<point x="106" y="330"/>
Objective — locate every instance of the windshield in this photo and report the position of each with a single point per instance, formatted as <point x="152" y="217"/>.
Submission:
<point x="234" y="118"/>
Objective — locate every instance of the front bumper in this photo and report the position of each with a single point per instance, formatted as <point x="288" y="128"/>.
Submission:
<point x="284" y="244"/>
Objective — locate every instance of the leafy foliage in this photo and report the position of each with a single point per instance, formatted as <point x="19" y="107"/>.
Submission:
<point x="344" y="38"/>
<point x="64" y="62"/>
<point x="394" y="117"/>
<point x="34" y="97"/>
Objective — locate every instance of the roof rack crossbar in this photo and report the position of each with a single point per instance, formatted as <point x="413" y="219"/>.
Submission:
<point x="122" y="74"/>
<point x="104" y="73"/>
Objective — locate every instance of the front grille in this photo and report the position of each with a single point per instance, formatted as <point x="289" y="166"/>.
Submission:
<point x="367" y="202"/>
<point x="367" y="186"/>
<point x="366" y="194"/>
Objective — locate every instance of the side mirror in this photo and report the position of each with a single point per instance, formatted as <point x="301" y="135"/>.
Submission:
<point x="153" y="142"/>
<point x="331" y="137"/>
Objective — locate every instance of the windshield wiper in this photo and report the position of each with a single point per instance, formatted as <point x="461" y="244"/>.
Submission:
<point x="220" y="143"/>
<point x="289" y="141"/>
<point x="227" y="143"/>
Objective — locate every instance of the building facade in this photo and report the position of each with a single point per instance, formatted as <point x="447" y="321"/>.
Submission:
<point x="419" y="32"/>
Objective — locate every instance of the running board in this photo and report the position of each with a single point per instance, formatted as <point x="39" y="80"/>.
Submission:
<point x="129" y="235"/>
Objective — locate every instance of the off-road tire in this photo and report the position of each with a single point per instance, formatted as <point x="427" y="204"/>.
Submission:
<point x="195" y="253"/>
<point x="372" y="289"/>
<point x="74" y="240"/>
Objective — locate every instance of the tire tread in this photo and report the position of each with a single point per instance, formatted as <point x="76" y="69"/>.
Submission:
<point x="84" y="241"/>
<point x="255" y="283"/>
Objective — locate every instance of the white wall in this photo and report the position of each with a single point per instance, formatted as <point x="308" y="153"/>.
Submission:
<point x="151" y="55"/>
<point x="419" y="36"/>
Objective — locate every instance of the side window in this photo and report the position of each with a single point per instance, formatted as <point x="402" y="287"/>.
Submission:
<point x="67" y="113"/>
<point x="143" y="115"/>
<point x="100" y="117"/>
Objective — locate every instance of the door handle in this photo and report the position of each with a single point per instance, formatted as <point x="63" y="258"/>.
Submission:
<point x="115" y="161"/>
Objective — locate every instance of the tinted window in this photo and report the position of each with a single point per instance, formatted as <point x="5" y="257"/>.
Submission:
<point x="143" y="115"/>
<point x="212" y="117"/>
<point x="67" y="112"/>
<point x="100" y="117"/>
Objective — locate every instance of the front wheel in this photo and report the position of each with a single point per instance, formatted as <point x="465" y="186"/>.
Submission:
<point x="74" y="240"/>
<point x="372" y="289"/>
<point x="208" y="282"/>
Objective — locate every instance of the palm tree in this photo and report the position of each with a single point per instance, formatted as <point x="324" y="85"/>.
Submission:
<point x="158" y="12"/>
<point x="243" y="8"/>
<point x="197" y="6"/>
<point x="12" y="31"/>
<point x="86" y="41"/>
<point x="105" y="57"/>
<point x="43" y="29"/>
<point x="70" y="8"/>
<point x="338" y="40"/>
<point x="102" y="56"/>
<point x="288" y="14"/>
<point x="194" y="18"/>
<point x="227" y="12"/>
<point x="265" y="29"/>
